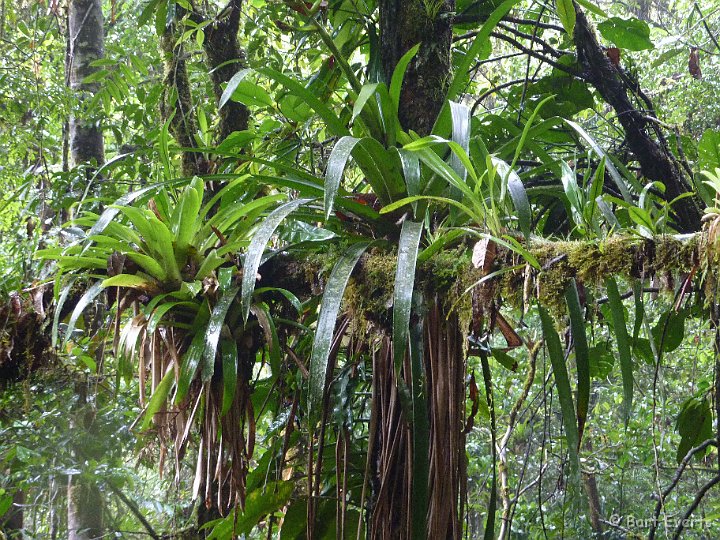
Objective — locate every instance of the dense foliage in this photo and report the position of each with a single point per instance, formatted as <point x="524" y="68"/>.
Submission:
<point x="329" y="283"/>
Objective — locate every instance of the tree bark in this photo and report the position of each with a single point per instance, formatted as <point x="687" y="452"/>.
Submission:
<point x="84" y="509"/>
<point x="655" y="160"/>
<point x="12" y="522"/>
<point x="404" y="24"/>
<point x="225" y="57"/>
<point x="176" y="104"/>
<point x="86" y="44"/>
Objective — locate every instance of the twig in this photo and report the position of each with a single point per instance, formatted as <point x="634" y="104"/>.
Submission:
<point x="535" y="54"/>
<point x="676" y="479"/>
<point x="491" y="91"/>
<point x="707" y="28"/>
<point x="695" y="504"/>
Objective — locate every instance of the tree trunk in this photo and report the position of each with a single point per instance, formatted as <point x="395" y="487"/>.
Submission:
<point x="13" y="521"/>
<point x="177" y="101"/>
<point x="225" y="58"/>
<point x="84" y="509"/>
<point x="419" y="467"/>
<point x="86" y="44"/>
<point x="655" y="159"/>
<point x="404" y="24"/>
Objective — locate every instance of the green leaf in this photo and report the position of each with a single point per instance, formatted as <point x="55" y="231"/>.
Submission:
<point x="602" y="360"/>
<point x="631" y="34"/>
<point x="398" y="76"/>
<point x="460" y="114"/>
<point x="620" y="182"/>
<point x="6" y="502"/>
<point x="191" y="360"/>
<point x="566" y="14"/>
<point x="408" y="246"/>
<point x="592" y="8"/>
<point x="85" y="300"/>
<point x="160" y="312"/>
<point x="562" y="383"/>
<point x="132" y="281"/>
<point x="159" y="397"/>
<point x="232" y="85"/>
<point x="257" y="248"/>
<point x="212" y="336"/>
<point x="479" y="50"/>
<point x="709" y="150"/>
<point x="329" y="117"/>
<point x="669" y="331"/>
<point x="148" y="264"/>
<point x="236" y="141"/>
<point x="504" y="359"/>
<point x="519" y="197"/>
<point x="409" y="200"/>
<point x="622" y="339"/>
<point x="252" y="95"/>
<point x="114" y="209"/>
<point x="382" y="169"/>
<point x="329" y="309"/>
<point x="694" y="424"/>
<point x="582" y="356"/>
<point x="366" y="92"/>
<point x="260" y="502"/>
<point x="337" y="162"/>
<point x="183" y="221"/>
<point x="229" y="354"/>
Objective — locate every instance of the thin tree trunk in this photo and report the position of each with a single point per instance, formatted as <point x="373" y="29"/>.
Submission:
<point x="84" y="509"/>
<point x="86" y="45"/>
<point x="404" y="24"/>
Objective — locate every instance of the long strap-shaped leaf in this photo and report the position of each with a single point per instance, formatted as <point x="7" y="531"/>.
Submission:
<point x="85" y="300"/>
<point x="337" y="162"/>
<point x="562" y="383"/>
<point x="582" y="356"/>
<point x="257" y="247"/>
<point x="212" y="336"/>
<point x="329" y="308"/>
<point x="404" y="286"/>
<point x="623" y="343"/>
<point x="229" y="354"/>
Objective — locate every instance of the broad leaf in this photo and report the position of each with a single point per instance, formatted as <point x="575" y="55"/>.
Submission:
<point x="631" y="34"/>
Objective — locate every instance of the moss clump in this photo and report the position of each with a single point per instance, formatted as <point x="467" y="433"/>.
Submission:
<point x="675" y="256"/>
<point x="369" y="291"/>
